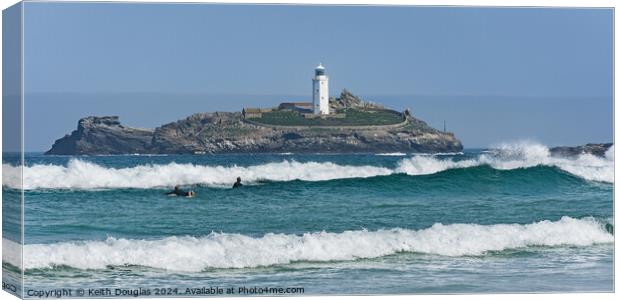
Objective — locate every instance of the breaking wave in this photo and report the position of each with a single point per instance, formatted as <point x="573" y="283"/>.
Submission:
<point x="80" y="174"/>
<point x="519" y="156"/>
<point x="224" y="250"/>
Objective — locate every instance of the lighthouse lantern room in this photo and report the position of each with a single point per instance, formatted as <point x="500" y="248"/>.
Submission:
<point x="320" y="91"/>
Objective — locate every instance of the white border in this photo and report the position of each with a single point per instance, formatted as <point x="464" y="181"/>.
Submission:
<point x="537" y="3"/>
<point x="503" y="3"/>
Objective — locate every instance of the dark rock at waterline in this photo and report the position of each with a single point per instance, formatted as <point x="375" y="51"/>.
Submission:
<point x="594" y="149"/>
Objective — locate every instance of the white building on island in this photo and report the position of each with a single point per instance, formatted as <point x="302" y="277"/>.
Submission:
<point x="320" y="91"/>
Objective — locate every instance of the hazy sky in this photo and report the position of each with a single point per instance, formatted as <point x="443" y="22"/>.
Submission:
<point x="494" y="74"/>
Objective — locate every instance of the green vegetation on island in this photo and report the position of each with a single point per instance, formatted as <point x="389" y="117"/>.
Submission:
<point x="351" y="117"/>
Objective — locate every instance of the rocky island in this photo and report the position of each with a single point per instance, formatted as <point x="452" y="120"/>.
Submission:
<point x="356" y="126"/>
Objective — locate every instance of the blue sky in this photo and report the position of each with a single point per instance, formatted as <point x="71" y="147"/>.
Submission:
<point x="494" y="74"/>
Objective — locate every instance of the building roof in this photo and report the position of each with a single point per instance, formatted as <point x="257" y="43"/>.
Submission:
<point x="296" y="103"/>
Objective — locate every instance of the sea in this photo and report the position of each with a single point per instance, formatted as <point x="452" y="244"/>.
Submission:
<point x="512" y="219"/>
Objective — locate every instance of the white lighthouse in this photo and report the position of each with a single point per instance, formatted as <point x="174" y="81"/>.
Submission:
<point x="320" y="91"/>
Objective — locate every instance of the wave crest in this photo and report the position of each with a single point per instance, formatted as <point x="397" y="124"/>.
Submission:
<point x="224" y="250"/>
<point x="80" y="174"/>
<point x="519" y="156"/>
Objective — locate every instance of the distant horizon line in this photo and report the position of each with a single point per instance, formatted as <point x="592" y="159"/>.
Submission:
<point x="359" y="153"/>
<point x="486" y="95"/>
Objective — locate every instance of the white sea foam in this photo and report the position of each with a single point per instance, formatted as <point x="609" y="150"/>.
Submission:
<point x="223" y="250"/>
<point x="448" y="153"/>
<point x="12" y="252"/>
<point x="423" y="165"/>
<point x="525" y="155"/>
<point x="80" y="174"/>
<point x="609" y="154"/>
<point x="516" y="156"/>
<point x="392" y="154"/>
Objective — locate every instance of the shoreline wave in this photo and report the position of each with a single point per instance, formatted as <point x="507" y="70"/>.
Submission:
<point x="227" y="250"/>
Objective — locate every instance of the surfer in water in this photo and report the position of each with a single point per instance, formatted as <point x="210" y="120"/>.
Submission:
<point x="179" y="192"/>
<point x="238" y="183"/>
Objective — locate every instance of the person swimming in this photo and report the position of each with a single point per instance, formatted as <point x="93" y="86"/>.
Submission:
<point x="238" y="183"/>
<point x="179" y="192"/>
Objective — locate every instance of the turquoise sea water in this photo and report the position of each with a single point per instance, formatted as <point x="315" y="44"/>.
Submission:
<point x="514" y="220"/>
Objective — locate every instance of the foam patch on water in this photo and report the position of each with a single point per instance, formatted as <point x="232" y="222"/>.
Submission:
<point x="80" y="174"/>
<point x="223" y="250"/>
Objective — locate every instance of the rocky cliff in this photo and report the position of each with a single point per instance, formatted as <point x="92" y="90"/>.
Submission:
<point x="226" y="132"/>
<point x="223" y="132"/>
<point x="103" y="135"/>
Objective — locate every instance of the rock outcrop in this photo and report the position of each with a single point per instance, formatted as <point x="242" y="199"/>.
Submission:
<point x="594" y="149"/>
<point x="348" y="100"/>
<point x="103" y="135"/>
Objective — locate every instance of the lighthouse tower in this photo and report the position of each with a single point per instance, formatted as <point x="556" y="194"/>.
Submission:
<point x="320" y="91"/>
